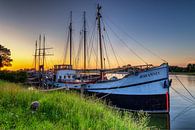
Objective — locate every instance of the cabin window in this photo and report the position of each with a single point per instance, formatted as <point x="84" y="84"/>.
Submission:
<point x="64" y="76"/>
<point x="69" y="76"/>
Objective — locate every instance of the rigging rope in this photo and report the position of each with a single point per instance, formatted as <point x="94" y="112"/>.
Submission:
<point x="97" y="47"/>
<point x="117" y="60"/>
<point x="138" y="42"/>
<point x="91" y="41"/>
<point x="109" y="41"/>
<point x="78" y="52"/>
<point x="131" y="50"/>
<point x="106" y="52"/>
<point x="66" y="49"/>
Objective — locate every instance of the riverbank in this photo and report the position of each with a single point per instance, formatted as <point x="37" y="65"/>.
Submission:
<point x="182" y="73"/>
<point x="60" y="110"/>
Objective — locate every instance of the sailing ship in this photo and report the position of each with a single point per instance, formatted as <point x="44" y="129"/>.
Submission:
<point x="146" y="89"/>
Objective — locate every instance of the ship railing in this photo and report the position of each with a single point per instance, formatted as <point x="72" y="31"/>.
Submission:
<point x="123" y="69"/>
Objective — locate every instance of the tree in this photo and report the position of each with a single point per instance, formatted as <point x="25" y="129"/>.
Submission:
<point x="191" y="67"/>
<point x="5" y="59"/>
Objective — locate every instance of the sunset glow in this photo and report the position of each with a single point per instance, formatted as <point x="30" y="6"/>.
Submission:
<point x="165" y="27"/>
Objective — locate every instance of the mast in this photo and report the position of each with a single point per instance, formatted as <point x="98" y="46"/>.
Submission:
<point x="99" y="31"/>
<point x="39" y="52"/>
<point x="84" y="40"/>
<point x="70" y="31"/>
<point x="39" y="60"/>
<point x="43" y="52"/>
<point x="35" y="55"/>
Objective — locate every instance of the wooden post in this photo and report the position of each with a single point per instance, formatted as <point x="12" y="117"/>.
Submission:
<point x="82" y="89"/>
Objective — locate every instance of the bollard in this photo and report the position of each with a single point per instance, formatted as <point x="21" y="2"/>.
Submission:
<point x="34" y="106"/>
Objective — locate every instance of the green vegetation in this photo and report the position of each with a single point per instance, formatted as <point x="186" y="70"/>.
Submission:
<point x="60" y="110"/>
<point x="5" y="57"/>
<point x="14" y="76"/>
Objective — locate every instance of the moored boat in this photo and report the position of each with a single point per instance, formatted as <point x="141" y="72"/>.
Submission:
<point x="145" y="89"/>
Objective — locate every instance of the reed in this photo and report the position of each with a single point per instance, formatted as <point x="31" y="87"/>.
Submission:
<point x="60" y="110"/>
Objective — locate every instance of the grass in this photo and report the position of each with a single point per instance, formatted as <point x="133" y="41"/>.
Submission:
<point x="60" y="110"/>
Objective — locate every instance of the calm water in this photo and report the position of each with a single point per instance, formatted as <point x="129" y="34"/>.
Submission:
<point x="182" y="113"/>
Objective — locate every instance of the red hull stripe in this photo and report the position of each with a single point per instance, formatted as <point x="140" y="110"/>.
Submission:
<point x="167" y="101"/>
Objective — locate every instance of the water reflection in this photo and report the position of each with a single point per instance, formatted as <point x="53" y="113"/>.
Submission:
<point x="185" y="110"/>
<point x="182" y="114"/>
<point x="191" y="79"/>
<point x="173" y="121"/>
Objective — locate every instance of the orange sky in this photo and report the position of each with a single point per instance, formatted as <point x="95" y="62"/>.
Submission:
<point x="22" y="51"/>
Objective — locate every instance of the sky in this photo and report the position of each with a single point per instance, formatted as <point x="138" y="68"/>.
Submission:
<point x="165" y="27"/>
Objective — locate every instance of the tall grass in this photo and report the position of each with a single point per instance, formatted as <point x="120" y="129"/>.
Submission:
<point x="60" y="110"/>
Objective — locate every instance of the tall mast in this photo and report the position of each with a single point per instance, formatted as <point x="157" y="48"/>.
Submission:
<point x="84" y="40"/>
<point x="70" y="31"/>
<point x="35" y="55"/>
<point x="100" y="38"/>
<point x="43" y="51"/>
<point x="39" y="52"/>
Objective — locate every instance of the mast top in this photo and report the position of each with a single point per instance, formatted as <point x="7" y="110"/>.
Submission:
<point x="98" y="11"/>
<point x="70" y="16"/>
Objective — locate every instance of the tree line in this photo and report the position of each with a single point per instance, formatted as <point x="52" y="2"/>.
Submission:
<point x="14" y="76"/>
<point x="189" y="68"/>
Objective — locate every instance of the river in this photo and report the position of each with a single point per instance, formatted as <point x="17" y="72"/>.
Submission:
<point x="182" y="109"/>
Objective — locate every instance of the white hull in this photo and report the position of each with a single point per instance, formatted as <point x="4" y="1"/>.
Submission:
<point x="148" y="82"/>
<point x="147" y="90"/>
<point x="144" y="83"/>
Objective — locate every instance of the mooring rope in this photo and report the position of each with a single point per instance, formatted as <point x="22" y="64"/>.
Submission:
<point x="186" y="98"/>
<point x="184" y="86"/>
<point x="177" y="78"/>
<point x="185" y="110"/>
